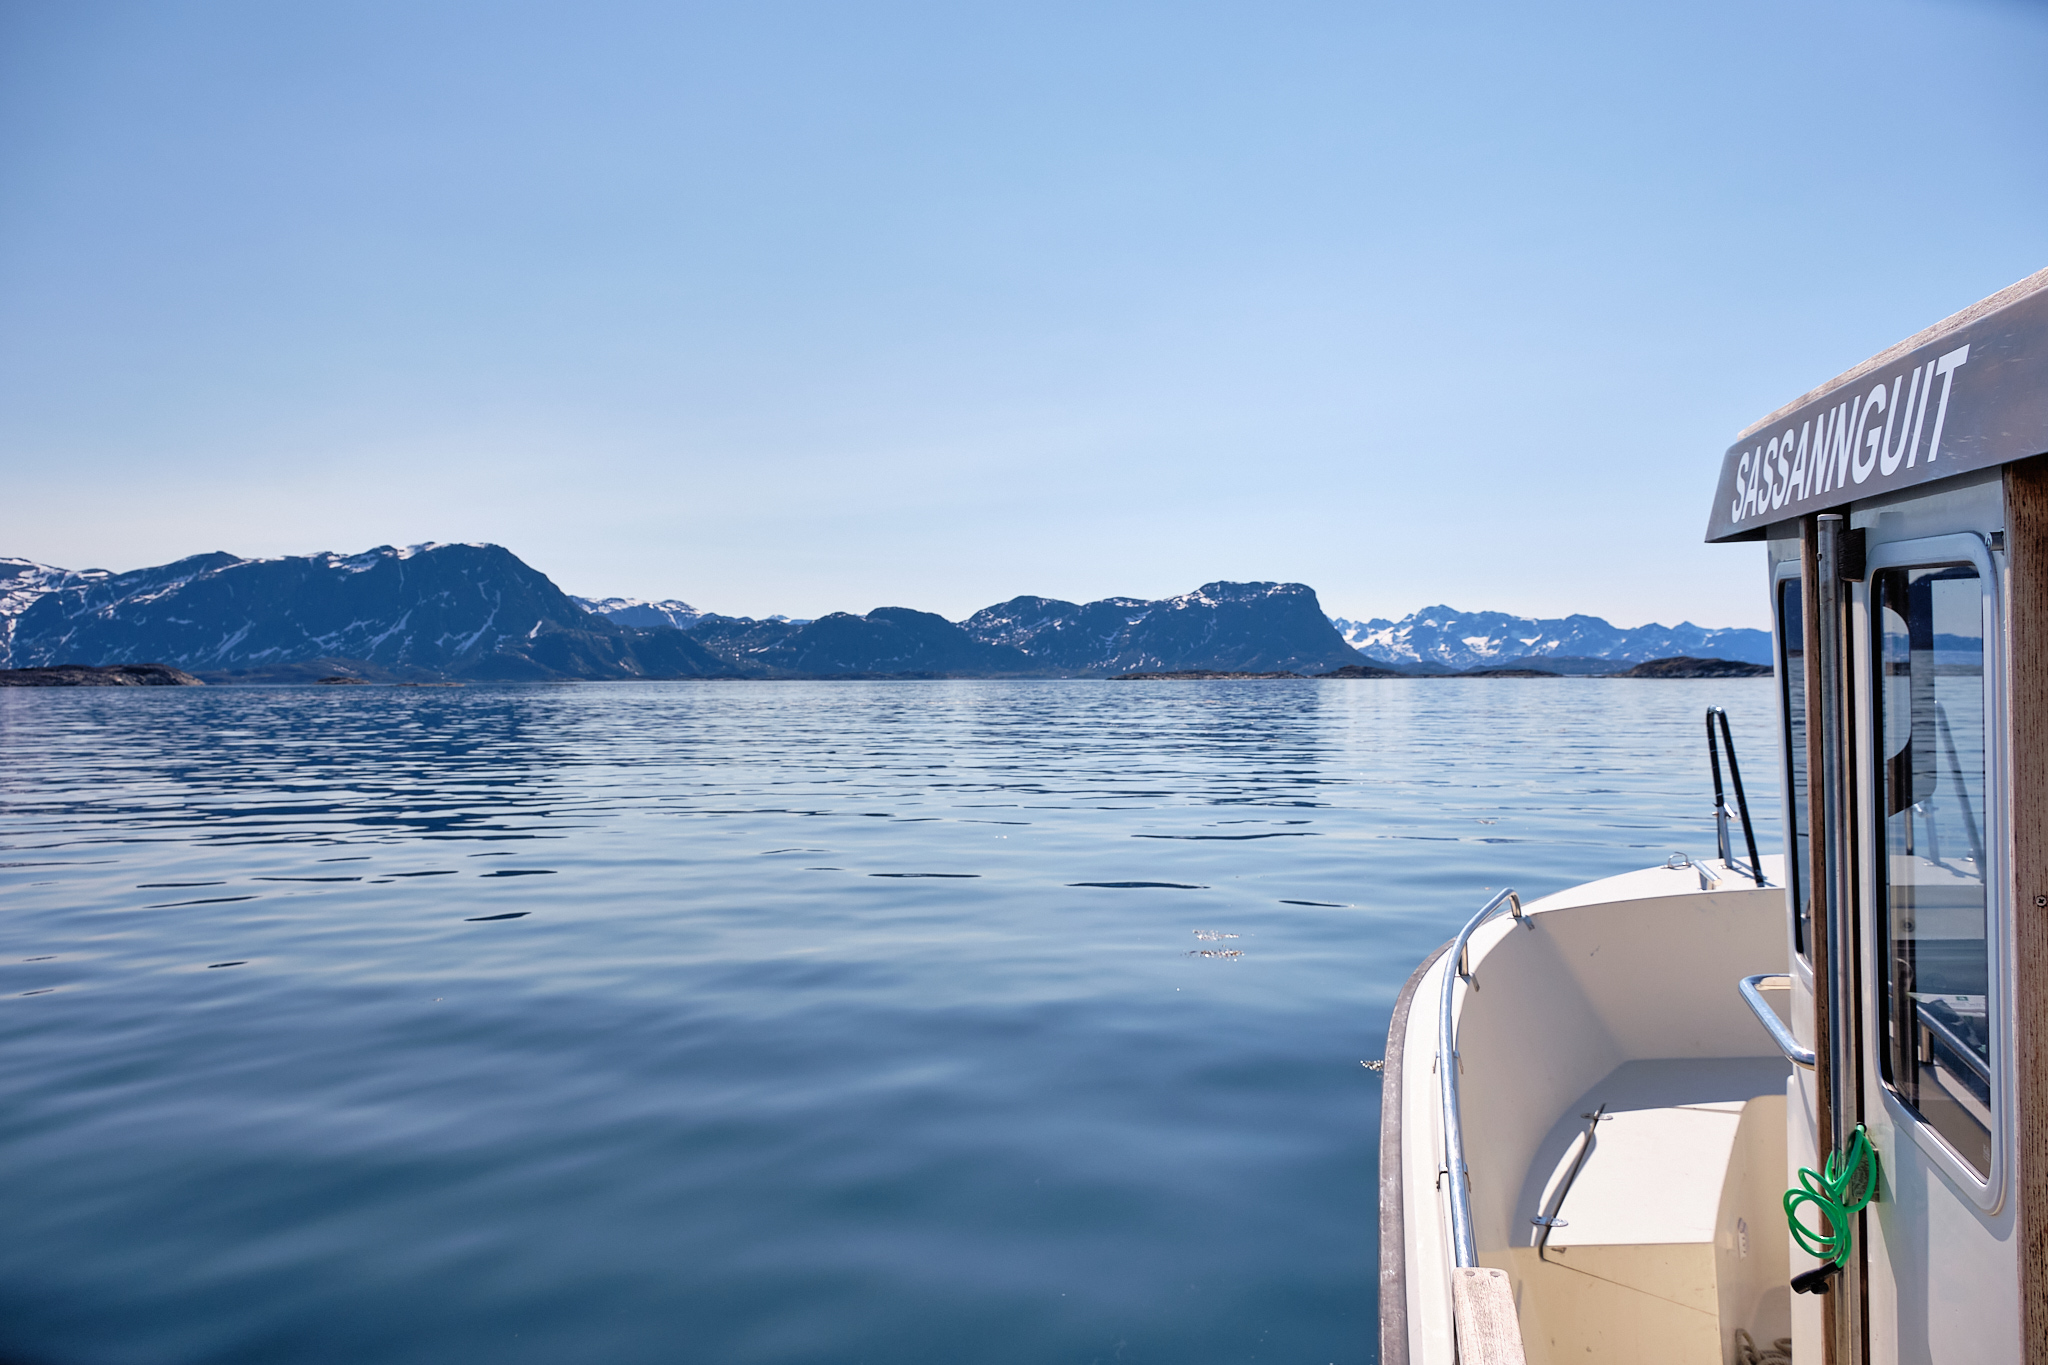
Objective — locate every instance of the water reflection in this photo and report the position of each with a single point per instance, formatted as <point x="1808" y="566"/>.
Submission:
<point x="944" y="1098"/>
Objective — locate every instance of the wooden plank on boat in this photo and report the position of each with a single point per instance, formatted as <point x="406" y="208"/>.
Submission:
<point x="1483" y="1304"/>
<point x="2026" y="546"/>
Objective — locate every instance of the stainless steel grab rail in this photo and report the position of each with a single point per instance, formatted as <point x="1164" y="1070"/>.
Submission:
<point x="1956" y="1043"/>
<point x="1550" y="1222"/>
<point x="1752" y="988"/>
<point x="1463" y="1250"/>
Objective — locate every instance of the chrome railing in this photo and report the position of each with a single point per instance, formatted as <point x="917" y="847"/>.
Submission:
<point x="1954" y="1042"/>
<point x="1550" y="1222"/>
<point x="1458" y="1175"/>
<point x="1752" y="988"/>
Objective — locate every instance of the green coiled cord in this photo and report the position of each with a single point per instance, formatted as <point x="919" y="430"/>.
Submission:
<point x="1830" y="1191"/>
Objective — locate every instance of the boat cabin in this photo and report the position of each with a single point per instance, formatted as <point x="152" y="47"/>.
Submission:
<point x="1597" y="1103"/>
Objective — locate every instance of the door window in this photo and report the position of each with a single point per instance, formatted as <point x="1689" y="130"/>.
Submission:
<point x="1935" y="1026"/>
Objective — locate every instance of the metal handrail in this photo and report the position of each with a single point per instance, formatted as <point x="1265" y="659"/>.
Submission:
<point x="1463" y="1250"/>
<point x="1752" y="988"/>
<point x="1957" y="1044"/>
<point x="1955" y="768"/>
<point x="1550" y="1222"/>
<point x="1756" y="866"/>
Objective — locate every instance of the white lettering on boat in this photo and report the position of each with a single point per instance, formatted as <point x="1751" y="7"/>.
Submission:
<point x="1846" y="444"/>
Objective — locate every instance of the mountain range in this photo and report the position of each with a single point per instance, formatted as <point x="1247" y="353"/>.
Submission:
<point x="427" y="612"/>
<point x="1444" y="638"/>
<point x="636" y="611"/>
<point x="453" y="612"/>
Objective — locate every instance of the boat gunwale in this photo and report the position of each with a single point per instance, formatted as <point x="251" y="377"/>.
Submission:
<point x="1393" y="1218"/>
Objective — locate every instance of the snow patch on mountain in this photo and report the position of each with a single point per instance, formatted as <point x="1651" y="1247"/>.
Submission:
<point x="673" y="613"/>
<point x="23" y="582"/>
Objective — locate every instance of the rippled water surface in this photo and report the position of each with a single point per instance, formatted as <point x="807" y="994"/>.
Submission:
<point x="755" y="1022"/>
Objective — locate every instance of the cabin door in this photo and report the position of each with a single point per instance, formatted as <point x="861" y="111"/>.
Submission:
<point x="1933" y="977"/>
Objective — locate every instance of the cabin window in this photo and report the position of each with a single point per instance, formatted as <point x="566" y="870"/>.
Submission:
<point x="1935" y="1026"/>
<point x="1792" y="698"/>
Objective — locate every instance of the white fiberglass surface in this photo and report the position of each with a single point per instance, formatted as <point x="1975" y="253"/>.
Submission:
<point x="1653" y="1173"/>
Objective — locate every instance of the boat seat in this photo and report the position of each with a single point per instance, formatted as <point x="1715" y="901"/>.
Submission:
<point x="1669" y="1234"/>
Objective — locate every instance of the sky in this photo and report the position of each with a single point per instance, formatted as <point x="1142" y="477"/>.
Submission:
<point x="799" y="308"/>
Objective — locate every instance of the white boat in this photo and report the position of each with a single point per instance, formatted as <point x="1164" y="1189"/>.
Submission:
<point x="1606" y="1109"/>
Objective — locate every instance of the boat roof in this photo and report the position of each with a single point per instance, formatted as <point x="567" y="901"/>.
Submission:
<point x="1968" y="393"/>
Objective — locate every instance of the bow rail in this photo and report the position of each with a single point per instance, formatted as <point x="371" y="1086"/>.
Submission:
<point x="1463" y="1251"/>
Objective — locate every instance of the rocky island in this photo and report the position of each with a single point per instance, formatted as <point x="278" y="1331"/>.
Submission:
<point x="113" y="675"/>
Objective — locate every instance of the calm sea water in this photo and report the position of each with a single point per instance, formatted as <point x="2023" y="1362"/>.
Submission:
<point x="839" y="1022"/>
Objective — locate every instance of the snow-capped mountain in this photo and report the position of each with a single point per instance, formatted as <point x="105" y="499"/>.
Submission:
<point x="22" y="581"/>
<point x="1449" y="638"/>
<point x="427" y="610"/>
<point x="673" y="614"/>
<point x="634" y="611"/>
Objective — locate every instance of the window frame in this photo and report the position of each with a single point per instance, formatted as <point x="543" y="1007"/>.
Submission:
<point x="1986" y="1191"/>
<point x="1796" y="870"/>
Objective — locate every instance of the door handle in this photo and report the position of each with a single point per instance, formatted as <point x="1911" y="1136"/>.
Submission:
<point x="1752" y="988"/>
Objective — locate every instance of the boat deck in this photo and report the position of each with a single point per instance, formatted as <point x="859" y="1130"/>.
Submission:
<point x="1617" y="997"/>
<point x="1650" y="1246"/>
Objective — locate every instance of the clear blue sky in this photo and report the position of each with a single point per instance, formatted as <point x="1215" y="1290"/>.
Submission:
<point x="797" y="308"/>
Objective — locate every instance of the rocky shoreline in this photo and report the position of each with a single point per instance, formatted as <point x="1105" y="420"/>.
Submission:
<point x="1197" y="675"/>
<point x="1681" y="667"/>
<point x="163" y="675"/>
<point x="113" y="675"/>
